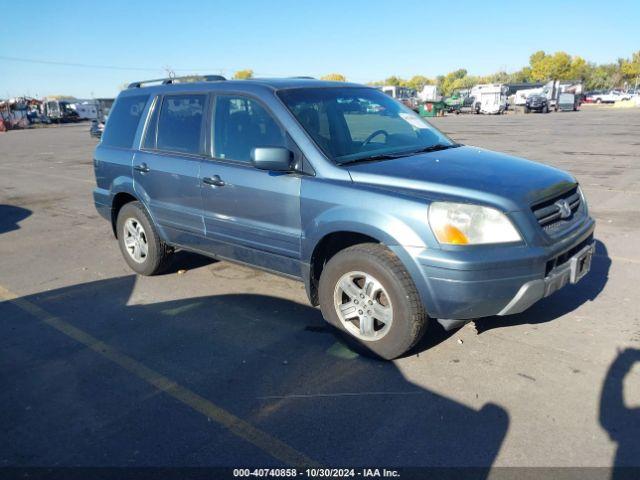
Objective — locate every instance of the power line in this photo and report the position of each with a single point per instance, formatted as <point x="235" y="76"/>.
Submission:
<point x="112" y="67"/>
<point x="123" y="68"/>
<point x="70" y="64"/>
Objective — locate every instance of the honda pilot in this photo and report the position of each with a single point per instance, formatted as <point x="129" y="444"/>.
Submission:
<point x="387" y="221"/>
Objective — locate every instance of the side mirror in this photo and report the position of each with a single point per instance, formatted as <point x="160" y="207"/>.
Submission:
<point x="276" y="159"/>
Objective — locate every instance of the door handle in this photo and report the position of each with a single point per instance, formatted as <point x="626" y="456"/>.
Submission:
<point x="214" y="181"/>
<point x="142" y="168"/>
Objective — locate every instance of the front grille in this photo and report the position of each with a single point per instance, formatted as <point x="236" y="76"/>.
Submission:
<point x="549" y="213"/>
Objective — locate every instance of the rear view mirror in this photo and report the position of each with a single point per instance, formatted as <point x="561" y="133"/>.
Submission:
<point x="272" y="158"/>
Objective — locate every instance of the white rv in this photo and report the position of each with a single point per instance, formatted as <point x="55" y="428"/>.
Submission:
<point x="86" y="110"/>
<point x="490" y="98"/>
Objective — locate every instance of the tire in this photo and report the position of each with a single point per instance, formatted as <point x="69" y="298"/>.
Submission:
<point x="546" y="109"/>
<point x="527" y="109"/>
<point x="157" y="252"/>
<point x="598" y="100"/>
<point x="396" y="292"/>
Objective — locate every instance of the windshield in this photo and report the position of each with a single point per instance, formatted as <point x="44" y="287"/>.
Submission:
<point x="355" y="124"/>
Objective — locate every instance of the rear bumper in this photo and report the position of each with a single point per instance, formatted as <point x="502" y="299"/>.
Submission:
<point x="498" y="281"/>
<point x="102" y="202"/>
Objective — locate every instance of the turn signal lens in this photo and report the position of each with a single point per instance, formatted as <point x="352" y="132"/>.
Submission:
<point x="452" y="235"/>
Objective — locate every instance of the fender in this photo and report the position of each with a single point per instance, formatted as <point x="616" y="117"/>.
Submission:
<point x="389" y="230"/>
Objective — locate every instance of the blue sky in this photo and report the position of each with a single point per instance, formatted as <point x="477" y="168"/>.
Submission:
<point x="365" y="40"/>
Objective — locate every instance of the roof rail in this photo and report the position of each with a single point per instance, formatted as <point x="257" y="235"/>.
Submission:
<point x="303" y="77"/>
<point x="170" y="80"/>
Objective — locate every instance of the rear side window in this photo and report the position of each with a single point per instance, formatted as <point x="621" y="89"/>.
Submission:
<point x="180" y="123"/>
<point x="123" y="121"/>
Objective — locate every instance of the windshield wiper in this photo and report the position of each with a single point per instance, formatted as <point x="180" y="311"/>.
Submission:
<point x="391" y="156"/>
<point x="436" y="148"/>
<point x="376" y="158"/>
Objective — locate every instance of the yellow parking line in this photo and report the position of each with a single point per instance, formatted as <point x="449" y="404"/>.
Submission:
<point x="265" y="442"/>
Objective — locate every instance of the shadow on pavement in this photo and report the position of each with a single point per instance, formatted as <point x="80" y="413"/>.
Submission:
<point x="183" y="260"/>
<point x="10" y="216"/>
<point x="267" y="360"/>
<point x="621" y="422"/>
<point x="561" y="302"/>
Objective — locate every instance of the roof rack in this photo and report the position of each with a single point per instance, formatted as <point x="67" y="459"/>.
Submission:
<point x="170" y="80"/>
<point x="303" y="77"/>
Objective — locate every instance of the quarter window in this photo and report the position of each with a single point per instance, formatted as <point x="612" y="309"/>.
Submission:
<point x="123" y="121"/>
<point x="242" y="124"/>
<point x="180" y="122"/>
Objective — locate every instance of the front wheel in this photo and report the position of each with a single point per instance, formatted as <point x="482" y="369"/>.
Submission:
<point x="139" y="241"/>
<point x="366" y="293"/>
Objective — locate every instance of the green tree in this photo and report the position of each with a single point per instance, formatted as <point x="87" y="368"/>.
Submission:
<point x="630" y="69"/>
<point x="243" y="74"/>
<point x="393" y="80"/>
<point x="334" y="77"/>
<point x="417" y="82"/>
<point x="579" y="69"/>
<point x="455" y="80"/>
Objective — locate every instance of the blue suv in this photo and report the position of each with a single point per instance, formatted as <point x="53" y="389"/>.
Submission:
<point x="386" y="220"/>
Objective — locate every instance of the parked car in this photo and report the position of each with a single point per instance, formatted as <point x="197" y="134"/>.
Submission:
<point x="96" y="129"/>
<point x="536" y="103"/>
<point x="607" y="97"/>
<point x="386" y="220"/>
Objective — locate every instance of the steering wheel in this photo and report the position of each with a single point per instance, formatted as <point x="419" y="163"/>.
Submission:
<point x="374" y="135"/>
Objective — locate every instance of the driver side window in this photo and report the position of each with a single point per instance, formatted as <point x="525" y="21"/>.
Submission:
<point x="240" y="125"/>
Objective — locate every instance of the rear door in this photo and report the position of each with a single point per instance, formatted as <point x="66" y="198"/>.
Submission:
<point x="250" y="215"/>
<point x="167" y="168"/>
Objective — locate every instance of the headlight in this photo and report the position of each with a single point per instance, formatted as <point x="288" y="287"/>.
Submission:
<point x="464" y="224"/>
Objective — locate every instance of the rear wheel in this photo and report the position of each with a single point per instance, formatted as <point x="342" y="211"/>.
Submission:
<point x="367" y="294"/>
<point x="139" y="241"/>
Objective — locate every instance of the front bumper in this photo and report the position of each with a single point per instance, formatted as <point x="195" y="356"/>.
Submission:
<point x="534" y="290"/>
<point x="499" y="280"/>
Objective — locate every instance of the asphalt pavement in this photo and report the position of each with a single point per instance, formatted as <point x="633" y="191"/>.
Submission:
<point x="213" y="364"/>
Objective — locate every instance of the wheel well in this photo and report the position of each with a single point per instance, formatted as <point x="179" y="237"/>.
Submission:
<point x="119" y="201"/>
<point x="327" y="248"/>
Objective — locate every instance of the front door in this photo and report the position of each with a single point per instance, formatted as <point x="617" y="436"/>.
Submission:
<point x="250" y="215"/>
<point x="167" y="168"/>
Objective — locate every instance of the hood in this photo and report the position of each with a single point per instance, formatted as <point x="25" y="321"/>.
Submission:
<point x="468" y="173"/>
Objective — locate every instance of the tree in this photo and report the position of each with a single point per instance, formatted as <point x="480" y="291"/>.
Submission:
<point x="417" y="82"/>
<point x="455" y="80"/>
<point x="243" y="74"/>
<point x="550" y="67"/>
<point x="393" y="80"/>
<point x="334" y="77"/>
<point x="579" y="69"/>
<point x="630" y="69"/>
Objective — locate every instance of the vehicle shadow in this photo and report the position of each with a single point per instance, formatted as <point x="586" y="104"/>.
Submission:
<point x="183" y="260"/>
<point x="11" y="216"/>
<point x="561" y="302"/>
<point x="266" y="360"/>
<point x="621" y="422"/>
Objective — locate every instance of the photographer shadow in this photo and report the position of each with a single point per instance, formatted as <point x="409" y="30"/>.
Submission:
<point x="621" y="422"/>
